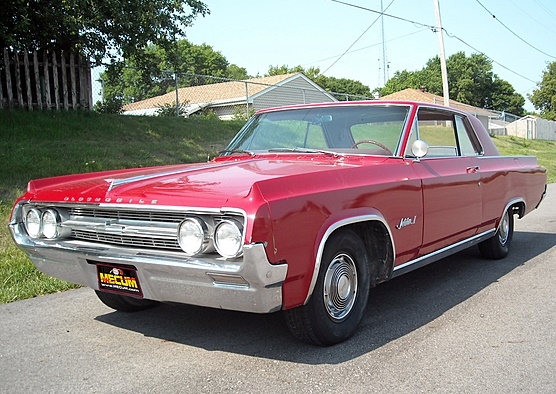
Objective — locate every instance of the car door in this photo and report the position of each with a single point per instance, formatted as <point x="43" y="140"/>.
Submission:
<point x="451" y="179"/>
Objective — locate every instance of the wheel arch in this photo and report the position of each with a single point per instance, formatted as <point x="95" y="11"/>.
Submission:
<point x="369" y="225"/>
<point x="516" y="206"/>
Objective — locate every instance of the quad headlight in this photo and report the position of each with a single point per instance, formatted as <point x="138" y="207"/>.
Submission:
<point x="197" y="235"/>
<point x="193" y="236"/>
<point x="45" y="223"/>
<point x="51" y="225"/>
<point x="33" y="223"/>
<point x="228" y="238"/>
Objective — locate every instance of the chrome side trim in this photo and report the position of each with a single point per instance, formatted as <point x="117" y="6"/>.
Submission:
<point x="334" y="227"/>
<point x="441" y="253"/>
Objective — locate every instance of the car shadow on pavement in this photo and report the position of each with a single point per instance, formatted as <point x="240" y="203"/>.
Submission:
<point x="395" y="309"/>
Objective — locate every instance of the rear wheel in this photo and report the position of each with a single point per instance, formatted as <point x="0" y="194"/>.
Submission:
<point x="340" y="296"/>
<point x="498" y="246"/>
<point x="124" y="303"/>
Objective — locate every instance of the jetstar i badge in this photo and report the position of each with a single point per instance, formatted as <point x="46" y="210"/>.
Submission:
<point x="406" y="222"/>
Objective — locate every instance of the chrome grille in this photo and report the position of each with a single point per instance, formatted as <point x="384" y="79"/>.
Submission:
<point x="152" y="216"/>
<point x="127" y="240"/>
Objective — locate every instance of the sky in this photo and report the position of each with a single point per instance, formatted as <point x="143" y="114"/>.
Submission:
<point x="257" y="34"/>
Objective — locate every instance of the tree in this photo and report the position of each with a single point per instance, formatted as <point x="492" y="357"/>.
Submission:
<point x="505" y="98"/>
<point x="348" y="88"/>
<point x="100" y="28"/>
<point x="236" y="72"/>
<point x="153" y="72"/>
<point x="544" y="97"/>
<point x="470" y="79"/>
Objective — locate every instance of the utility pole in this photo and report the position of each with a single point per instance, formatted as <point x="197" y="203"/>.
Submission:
<point x="440" y="34"/>
<point x="383" y="45"/>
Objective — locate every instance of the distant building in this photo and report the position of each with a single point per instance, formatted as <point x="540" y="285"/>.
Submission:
<point x="227" y="99"/>
<point x="532" y="127"/>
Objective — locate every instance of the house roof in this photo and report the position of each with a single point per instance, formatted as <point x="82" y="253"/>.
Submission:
<point x="232" y="91"/>
<point x="426" y="97"/>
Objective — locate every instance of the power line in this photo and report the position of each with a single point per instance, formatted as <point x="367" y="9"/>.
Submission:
<point x="488" y="57"/>
<point x="358" y="38"/>
<point x="548" y="11"/>
<point x="511" y="31"/>
<point x="434" y="29"/>
<point x="533" y="18"/>
<point x="418" y="24"/>
<point x="365" y="47"/>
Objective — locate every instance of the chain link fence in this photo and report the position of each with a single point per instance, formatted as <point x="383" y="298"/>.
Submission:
<point x="223" y="97"/>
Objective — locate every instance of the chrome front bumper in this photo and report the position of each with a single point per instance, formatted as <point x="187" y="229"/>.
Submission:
<point x="249" y="284"/>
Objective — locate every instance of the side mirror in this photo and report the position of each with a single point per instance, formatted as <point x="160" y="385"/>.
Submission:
<point x="419" y="149"/>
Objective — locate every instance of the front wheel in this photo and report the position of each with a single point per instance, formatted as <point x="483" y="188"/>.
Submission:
<point x="340" y="296"/>
<point x="124" y="303"/>
<point x="498" y="246"/>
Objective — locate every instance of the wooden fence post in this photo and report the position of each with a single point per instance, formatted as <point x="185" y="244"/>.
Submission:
<point x="8" y="77"/>
<point x="64" y="81"/>
<point x="48" y="100"/>
<point x="18" y="79"/>
<point x="72" y="75"/>
<point x="55" y="80"/>
<point x="37" y="80"/>
<point x="28" y="80"/>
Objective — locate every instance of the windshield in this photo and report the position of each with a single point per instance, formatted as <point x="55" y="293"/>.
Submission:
<point x="363" y="129"/>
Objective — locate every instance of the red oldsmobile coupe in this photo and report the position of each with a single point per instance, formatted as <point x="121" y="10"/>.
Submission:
<point x="306" y="210"/>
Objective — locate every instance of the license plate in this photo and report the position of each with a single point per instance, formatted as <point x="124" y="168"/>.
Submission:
<point x="118" y="279"/>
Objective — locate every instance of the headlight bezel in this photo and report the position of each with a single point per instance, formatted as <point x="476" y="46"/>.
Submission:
<point x="202" y="237"/>
<point x="54" y="228"/>
<point x="46" y="223"/>
<point x="234" y="230"/>
<point x="33" y="227"/>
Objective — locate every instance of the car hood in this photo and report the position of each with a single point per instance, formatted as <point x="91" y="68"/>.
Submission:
<point x="210" y="184"/>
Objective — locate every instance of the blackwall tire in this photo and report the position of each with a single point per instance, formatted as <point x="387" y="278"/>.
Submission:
<point x="498" y="246"/>
<point x="124" y="303"/>
<point x="340" y="296"/>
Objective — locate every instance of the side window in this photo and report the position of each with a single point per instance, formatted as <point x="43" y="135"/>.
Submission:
<point x="413" y="136"/>
<point x="437" y="129"/>
<point x="468" y="142"/>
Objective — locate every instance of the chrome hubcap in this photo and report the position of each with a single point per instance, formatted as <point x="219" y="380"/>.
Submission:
<point x="504" y="229"/>
<point x="340" y="286"/>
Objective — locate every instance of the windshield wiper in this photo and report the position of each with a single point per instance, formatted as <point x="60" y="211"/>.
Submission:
<point x="306" y="150"/>
<point x="229" y="152"/>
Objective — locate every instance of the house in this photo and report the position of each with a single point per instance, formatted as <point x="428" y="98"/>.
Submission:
<point x="230" y="98"/>
<point x="484" y="115"/>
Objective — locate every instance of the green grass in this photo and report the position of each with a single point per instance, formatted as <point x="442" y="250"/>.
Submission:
<point x="544" y="150"/>
<point x="37" y="144"/>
